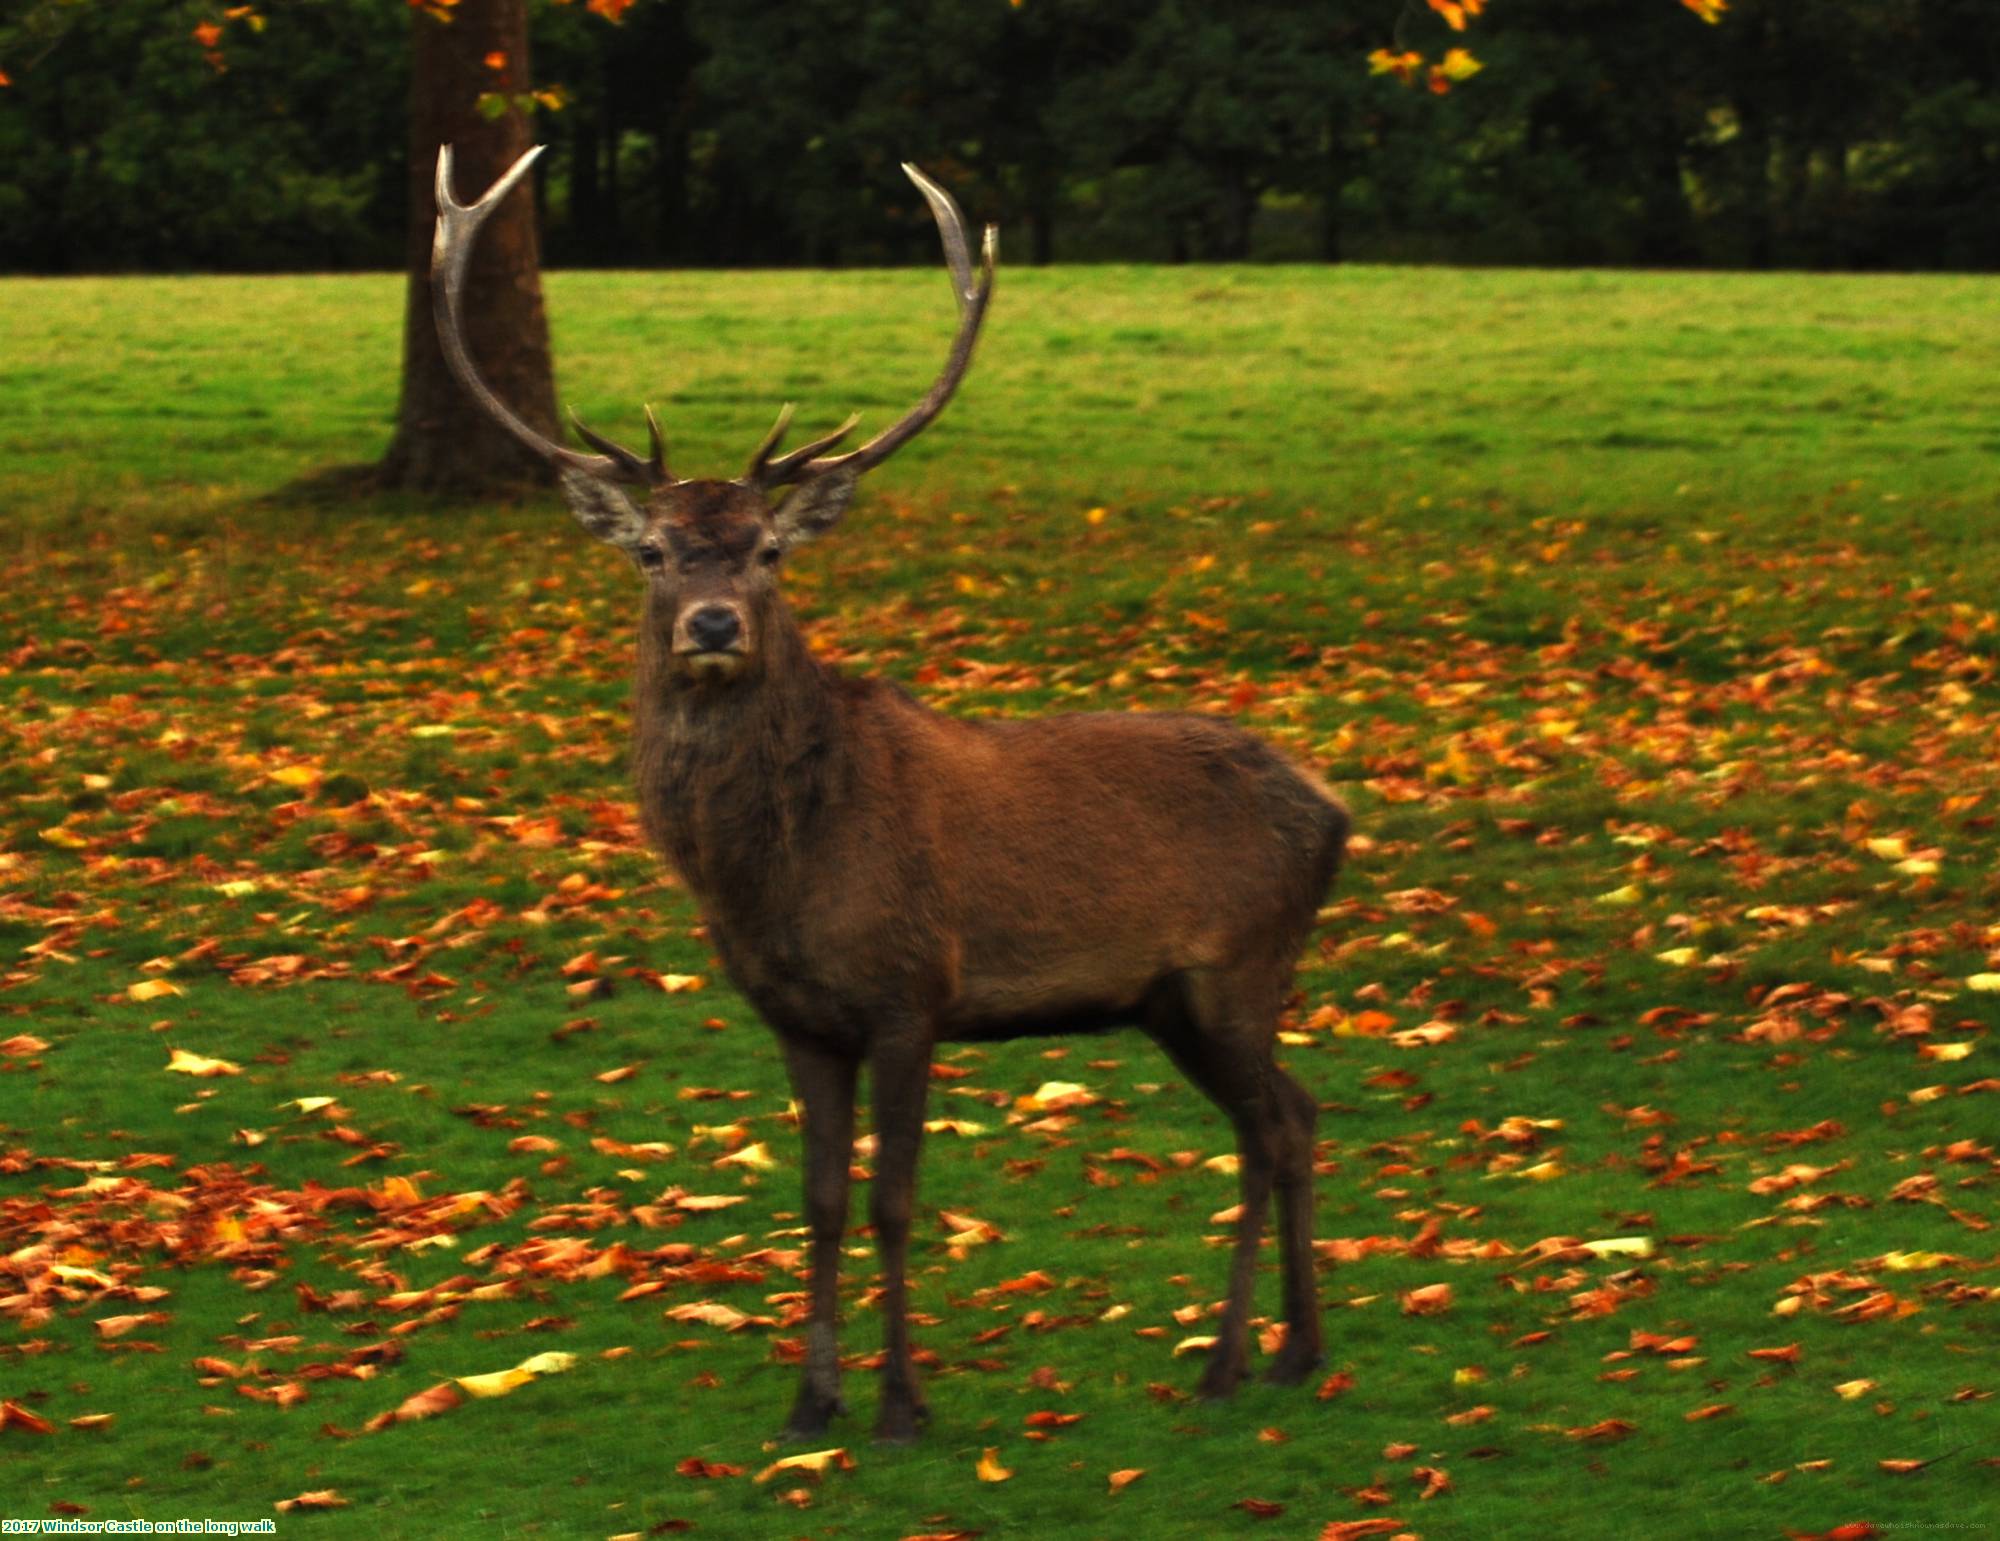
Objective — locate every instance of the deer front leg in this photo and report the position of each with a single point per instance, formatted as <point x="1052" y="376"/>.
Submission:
<point x="899" y="1068"/>
<point x="823" y="1081"/>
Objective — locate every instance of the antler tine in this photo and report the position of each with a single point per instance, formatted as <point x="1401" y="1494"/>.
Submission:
<point x="779" y="471"/>
<point x="754" y="473"/>
<point x="451" y="251"/>
<point x="972" y="296"/>
<point x="630" y="467"/>
<point x="658" y="464"/>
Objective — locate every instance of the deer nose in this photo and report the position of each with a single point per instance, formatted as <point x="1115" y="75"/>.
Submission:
<point x="713" y="628"/>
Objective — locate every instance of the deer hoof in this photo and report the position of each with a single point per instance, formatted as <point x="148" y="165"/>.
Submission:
<point x="809" y="1420"/>
<point x="1289" y="1369"/>
<point x="1219" y="1380"/>
<point x="900" y="1423"/>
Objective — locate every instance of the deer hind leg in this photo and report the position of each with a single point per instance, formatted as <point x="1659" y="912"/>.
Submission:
<point x="1220" y="1033"/>
<point x="899" y="1069"/>
<point x="823" y="1082"/>
<point x="1304" y="1349"/>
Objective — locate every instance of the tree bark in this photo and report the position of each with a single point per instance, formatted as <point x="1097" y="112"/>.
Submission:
<point x="444" y="444"/>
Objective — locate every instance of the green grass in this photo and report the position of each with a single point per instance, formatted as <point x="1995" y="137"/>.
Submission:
<point x="1627" y="610"/>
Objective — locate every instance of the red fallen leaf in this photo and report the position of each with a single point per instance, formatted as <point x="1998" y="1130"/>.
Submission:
<point x="695" y="1466"/>
<point x="1052" y="1420"/>
<point x="1713" y="1410"/>
<point x="1605" y="1429"/>
<point x="1261" y="1508"/>
<point x="14" y="1416"/>
<point x="1375" y="1496"/>
<point x="1853" y="1530"/>
<point x="1035" y="1281"/>
<point x="318" y="1498"/>
<point x="1334" y="1385"/>
<point x="1435" y="1479"/>
<point x="1905" y="1468"/>
<point x="1358" y="1530"/>
<point x="441" y="1398"/>
<point x="1789" y="1354"/>
<point x="1470" y="1416"/>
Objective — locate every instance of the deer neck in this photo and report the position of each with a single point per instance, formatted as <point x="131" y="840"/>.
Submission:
<point x="733" y="776"/>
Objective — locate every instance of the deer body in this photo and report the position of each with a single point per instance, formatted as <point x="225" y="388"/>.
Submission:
<point x="852" y="849"/>
<point x="878" y="878"/>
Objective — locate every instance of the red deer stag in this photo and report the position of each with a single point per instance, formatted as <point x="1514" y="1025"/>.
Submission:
<point x="878" y="878"/>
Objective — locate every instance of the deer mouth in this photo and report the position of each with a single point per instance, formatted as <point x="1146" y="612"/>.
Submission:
<point x="712" y="663"/>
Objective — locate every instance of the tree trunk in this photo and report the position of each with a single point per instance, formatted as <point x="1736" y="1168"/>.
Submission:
<point x="444" y="444"/>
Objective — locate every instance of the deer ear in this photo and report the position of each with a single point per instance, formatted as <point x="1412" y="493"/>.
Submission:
<point x="814" y="506"/>
<point x="602" y="508"/>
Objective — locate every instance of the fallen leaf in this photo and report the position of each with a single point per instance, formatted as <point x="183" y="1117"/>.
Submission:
<point x="185" y="1062"/>
<point x="318" y="1498"/>
<point x="1121" y="1480"/>
<point x="989" y="1468"/>
<point x="816" y="1463"/>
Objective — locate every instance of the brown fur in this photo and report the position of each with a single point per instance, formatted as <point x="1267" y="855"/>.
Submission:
<point x="878" y="878"/>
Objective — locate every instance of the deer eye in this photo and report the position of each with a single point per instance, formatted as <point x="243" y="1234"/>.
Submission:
<point x="651" y="556"/>
<point x="770" y="554"/>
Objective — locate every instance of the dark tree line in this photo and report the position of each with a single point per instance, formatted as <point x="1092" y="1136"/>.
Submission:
<point x="1837" y="133"/>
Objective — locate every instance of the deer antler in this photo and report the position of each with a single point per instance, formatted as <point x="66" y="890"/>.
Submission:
<point x="457" y="228"/>
<point x="972" y="298"/>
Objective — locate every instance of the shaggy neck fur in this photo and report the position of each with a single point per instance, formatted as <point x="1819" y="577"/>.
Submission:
<point x="733" y="773"/>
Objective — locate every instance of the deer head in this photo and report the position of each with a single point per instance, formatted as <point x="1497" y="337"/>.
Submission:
<point x="709" y="550"/>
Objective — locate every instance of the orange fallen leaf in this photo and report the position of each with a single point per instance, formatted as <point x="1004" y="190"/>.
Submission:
<point x="1605" y="1429"/>
<point x="22" y="1044"/>
<point x="441" y="1398"/>
<point x="1713" y="1410"/>
<point x="14" y="1416"/>
<point x="1121" y="1480"/>
<point x="1427" y="1300"/>
<point x="318" y="1498"/>
<point x="1260" y="1508"/>
<point x="989" y="1468"/>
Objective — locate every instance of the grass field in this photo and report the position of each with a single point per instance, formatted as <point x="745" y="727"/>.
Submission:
<point x="1648" y="622"/>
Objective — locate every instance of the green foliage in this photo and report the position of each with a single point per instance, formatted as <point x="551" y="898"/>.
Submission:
<point x="1841" y="133"/>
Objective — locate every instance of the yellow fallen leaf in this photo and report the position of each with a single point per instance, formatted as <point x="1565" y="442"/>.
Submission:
<point x="308" y="1104"/>
<point x="185" y="1062"/>
<point x="236" y="888"/>
<point x="1852" y="1390"/>
<point x="1621" y="1246"/>
<point x="1888" y="847"/>
<point x="755" y="1157"/>
<point x="1629" y="894"/>
<point x="1944" y="1051"/>
<point x="1051" y="1095"/>
<point x="1982" y="982"/>
<point x="1918" y="866"/>
<point x="815" y="1463"/>
<point x="554" y="1362"/>
<point x="496" y="1384"/>
<point x="151" y="989"/>
<point x="989" y="1468"/>
<point x="297" y="775"/>
<point x="1903" y="1262"/>
<point x="681" y="984"/>
<point x="68" y="839"/>
<point x="1195" y="1345"/>
<point x="1679" y="957"/>
<point x="959" y="1126"/>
